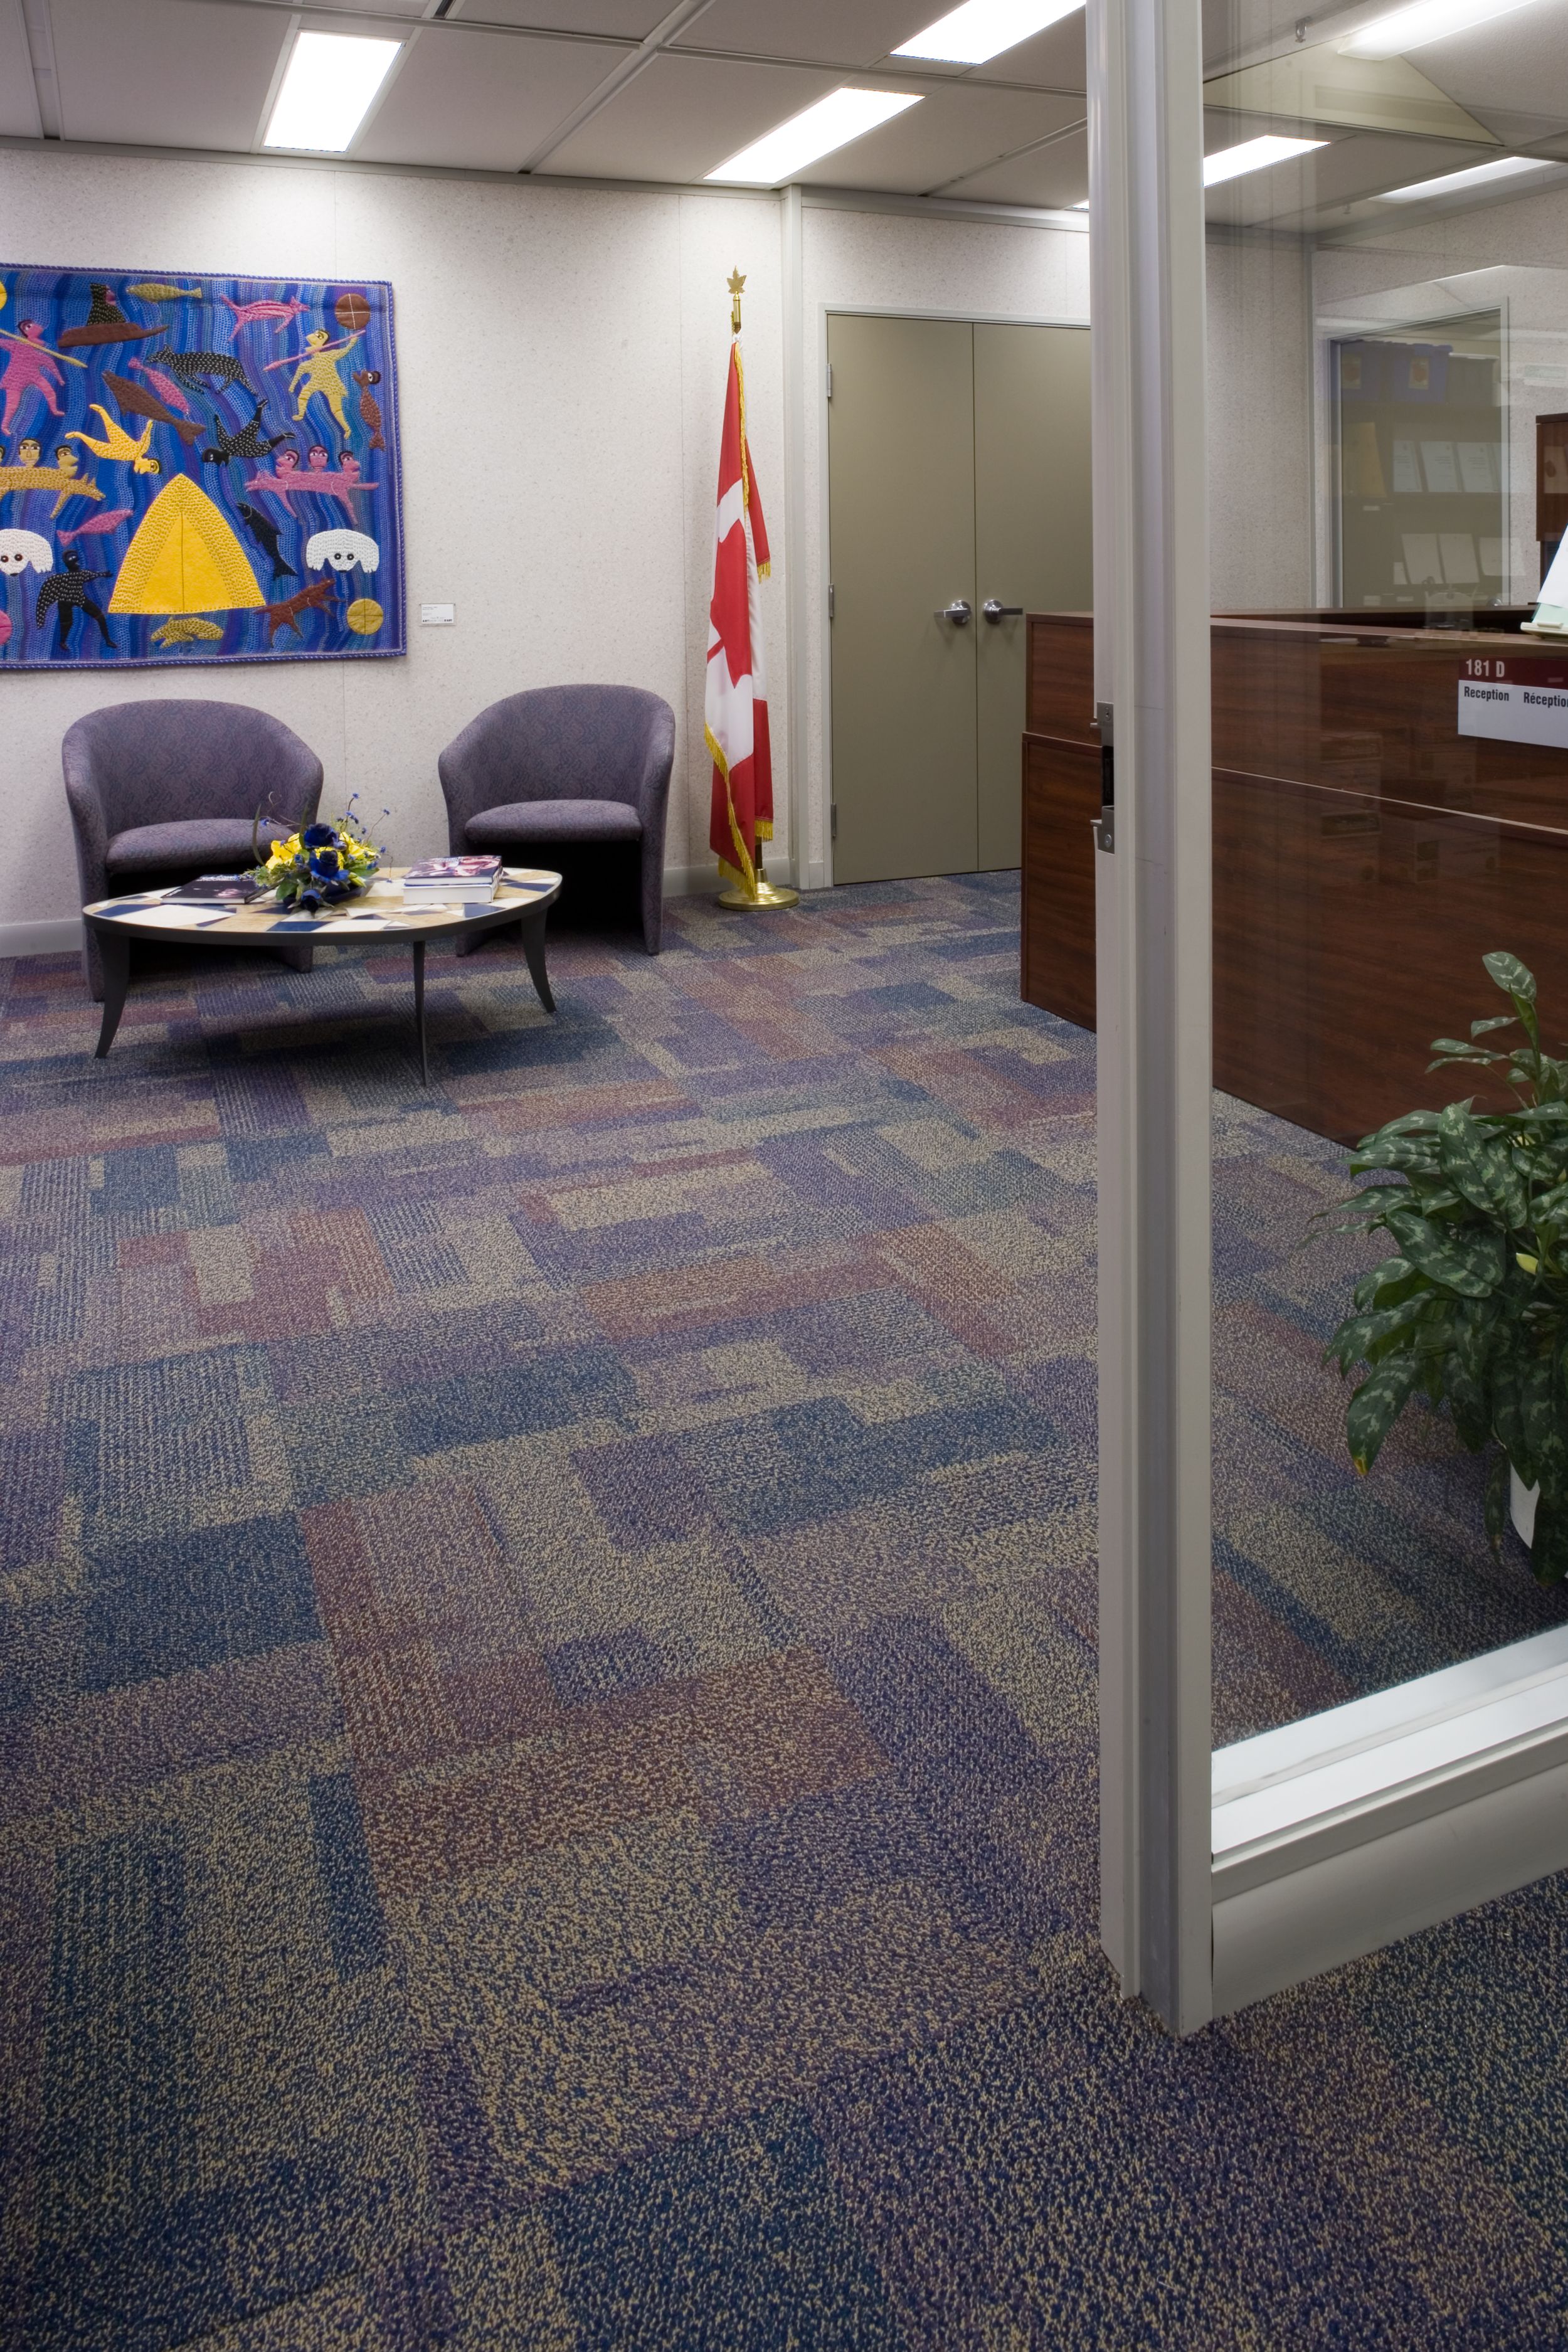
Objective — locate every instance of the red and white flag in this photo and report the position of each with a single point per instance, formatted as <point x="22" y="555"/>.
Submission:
<point x="736" y="703"/>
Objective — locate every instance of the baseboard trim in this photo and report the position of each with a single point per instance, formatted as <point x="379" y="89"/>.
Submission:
<point x="703" y="882"/>
<point x="61" y="935"/>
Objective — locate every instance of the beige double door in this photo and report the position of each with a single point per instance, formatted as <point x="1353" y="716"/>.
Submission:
<point x="958" y="476"/>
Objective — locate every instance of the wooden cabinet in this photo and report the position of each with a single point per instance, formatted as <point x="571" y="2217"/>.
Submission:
<point x="1365" y="855"/>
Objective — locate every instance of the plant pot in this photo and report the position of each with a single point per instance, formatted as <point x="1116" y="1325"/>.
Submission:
<point x="1521" y="1500"/>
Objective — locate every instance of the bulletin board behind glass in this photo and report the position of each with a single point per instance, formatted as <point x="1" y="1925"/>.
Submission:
<point x="1422" y="462"/>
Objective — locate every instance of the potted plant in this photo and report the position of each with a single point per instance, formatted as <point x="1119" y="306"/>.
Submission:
<point x="1471" y="1309"/>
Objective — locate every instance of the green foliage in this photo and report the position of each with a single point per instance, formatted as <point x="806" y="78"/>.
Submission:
<point x="1471" y="1309"/>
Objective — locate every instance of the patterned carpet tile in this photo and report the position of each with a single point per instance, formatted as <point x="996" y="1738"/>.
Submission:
<point x="547" y="1728"/>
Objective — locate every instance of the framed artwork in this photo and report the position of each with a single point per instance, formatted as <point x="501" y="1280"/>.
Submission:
<point x="196" y="470"/>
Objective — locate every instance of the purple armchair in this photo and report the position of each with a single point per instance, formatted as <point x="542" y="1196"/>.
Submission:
<point x="161" y="791"/>
<point x="566" y="766"/>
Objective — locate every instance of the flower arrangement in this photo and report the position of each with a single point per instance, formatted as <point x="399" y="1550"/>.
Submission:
<point x="319" y="865"/>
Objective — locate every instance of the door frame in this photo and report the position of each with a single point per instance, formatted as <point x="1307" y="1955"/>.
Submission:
<point x="820" y="876"/>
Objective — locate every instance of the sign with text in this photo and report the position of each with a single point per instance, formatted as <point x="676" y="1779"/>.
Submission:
<point x="1515" y="702"/>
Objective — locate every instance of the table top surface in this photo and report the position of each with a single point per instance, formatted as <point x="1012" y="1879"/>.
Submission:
<point x="379" y="913"/>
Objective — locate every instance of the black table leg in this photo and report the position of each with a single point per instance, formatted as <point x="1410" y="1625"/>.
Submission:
<point x="419" y="1011"/>
<point x="532" y="928"/>
<point x="115" y="950"/>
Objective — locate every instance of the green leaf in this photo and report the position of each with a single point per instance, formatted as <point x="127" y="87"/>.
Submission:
<point x="1478" y="1166"/>
<point x="1515" y="979"/>
<point x="1518" y="982"/>
<point x="1375" y="1407"/>
<point x="1493" y="1021"/>
<point x="1470" y="1260"/>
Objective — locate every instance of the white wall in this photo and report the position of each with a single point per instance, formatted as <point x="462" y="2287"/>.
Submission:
<point x="1260" y="424"/>
<point x="562" y="356"/>
<point x="586" y="331"/>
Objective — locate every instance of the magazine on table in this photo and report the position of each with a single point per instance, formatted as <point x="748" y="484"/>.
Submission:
<point x="452" y="881"/>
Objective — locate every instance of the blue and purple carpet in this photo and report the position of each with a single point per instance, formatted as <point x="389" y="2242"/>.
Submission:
<point x="548" y="1685"/>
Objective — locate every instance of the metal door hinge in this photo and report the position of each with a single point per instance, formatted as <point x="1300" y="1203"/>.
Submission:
<point x="833" y="820"/>
<point x="1105" y="727"/>
<point x="830" y="379"/>
<point x="830" y="600"/>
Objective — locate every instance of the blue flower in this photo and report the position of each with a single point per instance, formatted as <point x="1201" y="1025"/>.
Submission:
<point x="319" y="837"/>
<point x="325" y="861"/>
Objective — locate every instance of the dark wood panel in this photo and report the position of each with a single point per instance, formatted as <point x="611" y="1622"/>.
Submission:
<point x="1060" y="698"/>
<point x="1349" y="931"/>
<point x="1366" y="858"/>
<point x="1061" y="802"/>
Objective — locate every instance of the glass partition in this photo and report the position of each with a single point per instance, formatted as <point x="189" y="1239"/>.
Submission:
<point x="1388" y="398"/>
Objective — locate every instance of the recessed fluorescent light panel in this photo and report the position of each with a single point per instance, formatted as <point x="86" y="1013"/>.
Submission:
<point x="1479" y="177"/>
<point x="331" y="80"/>
<point x="1426" y="20"/>
<point x="984" y="28"/>
<point x="832" y="123"/>
<point x="1254" y="155"/>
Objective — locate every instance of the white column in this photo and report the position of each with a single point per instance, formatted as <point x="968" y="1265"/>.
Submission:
<point x="1152" y="897"/>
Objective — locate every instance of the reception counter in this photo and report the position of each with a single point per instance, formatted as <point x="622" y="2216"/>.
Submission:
<point x="1367" y="852"/>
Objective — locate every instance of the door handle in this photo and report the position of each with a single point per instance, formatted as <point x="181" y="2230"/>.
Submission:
<point x="958" y="612"/>
<point x="993" y="612"/>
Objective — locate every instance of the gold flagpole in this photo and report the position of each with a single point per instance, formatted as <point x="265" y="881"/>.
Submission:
<point x="742" y="900"/>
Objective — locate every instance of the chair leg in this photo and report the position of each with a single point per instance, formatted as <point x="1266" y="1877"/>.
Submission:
<point x="299" y="955"/>
<point x="652" y="904"/>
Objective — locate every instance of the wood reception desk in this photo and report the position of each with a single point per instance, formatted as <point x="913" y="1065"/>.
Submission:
<point x="1367" y="852"/>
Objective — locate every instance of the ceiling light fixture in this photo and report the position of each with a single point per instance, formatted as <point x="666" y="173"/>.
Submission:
<point x="1479" y="174"/>
<point x="984" y="28"/>
<point x="1426" y="20"/>
<point x="1254" y="155"/>
<point x="327" y="91"/>
<point x="833" y="122"/>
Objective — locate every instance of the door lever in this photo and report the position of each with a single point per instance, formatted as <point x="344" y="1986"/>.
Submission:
<point x="993" y="612"/>
<point x="958" y="612"/>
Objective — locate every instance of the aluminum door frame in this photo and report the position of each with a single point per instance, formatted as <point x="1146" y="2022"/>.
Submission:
<point x="821" y="870"/>
<point x="1152" y="896"/>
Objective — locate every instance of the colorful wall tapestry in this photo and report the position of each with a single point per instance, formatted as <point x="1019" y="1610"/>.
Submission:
<point x="196" y="470"/>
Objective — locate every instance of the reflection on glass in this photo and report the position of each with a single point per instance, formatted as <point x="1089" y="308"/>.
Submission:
<point x="1389" y="486"/>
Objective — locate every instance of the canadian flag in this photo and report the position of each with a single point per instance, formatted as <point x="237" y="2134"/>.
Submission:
<point x="736" y="704"/>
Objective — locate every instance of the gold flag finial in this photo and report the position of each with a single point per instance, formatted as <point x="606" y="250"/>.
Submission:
<point x="737" y="288"/>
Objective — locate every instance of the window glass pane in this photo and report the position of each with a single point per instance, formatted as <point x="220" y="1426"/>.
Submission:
<point x="1388" y="379"/>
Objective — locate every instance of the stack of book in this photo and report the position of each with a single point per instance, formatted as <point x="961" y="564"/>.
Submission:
<point x="451" y="881"/>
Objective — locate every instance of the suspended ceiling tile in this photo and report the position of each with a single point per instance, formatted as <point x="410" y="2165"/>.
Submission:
<point x="160" y="73"/>
<point x="1513" y="73"/>
<point x="1056" y="175"/>
<point x="1344" y="172"/>
<point x="482" y="102"/>
<point x="1318" y="85"/>
<point x="627" y="19"/>
<point x="682" y="116"/>
<point x="1054" y="59"/>
<point x="411" y="11"/>
<point x="18" y="98"/>
<point x="828" y="32"/>
<point x="950" y="134"/>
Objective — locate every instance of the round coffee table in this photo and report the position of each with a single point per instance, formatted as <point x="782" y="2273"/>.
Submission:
<point x="524" y="896"/>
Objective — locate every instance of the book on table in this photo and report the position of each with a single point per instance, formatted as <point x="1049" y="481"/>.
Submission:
<point x="452" y="881"/>
<point x="229" y="889"/>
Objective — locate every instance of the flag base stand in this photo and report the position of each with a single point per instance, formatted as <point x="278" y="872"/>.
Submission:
<point x="765" y="895"/>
